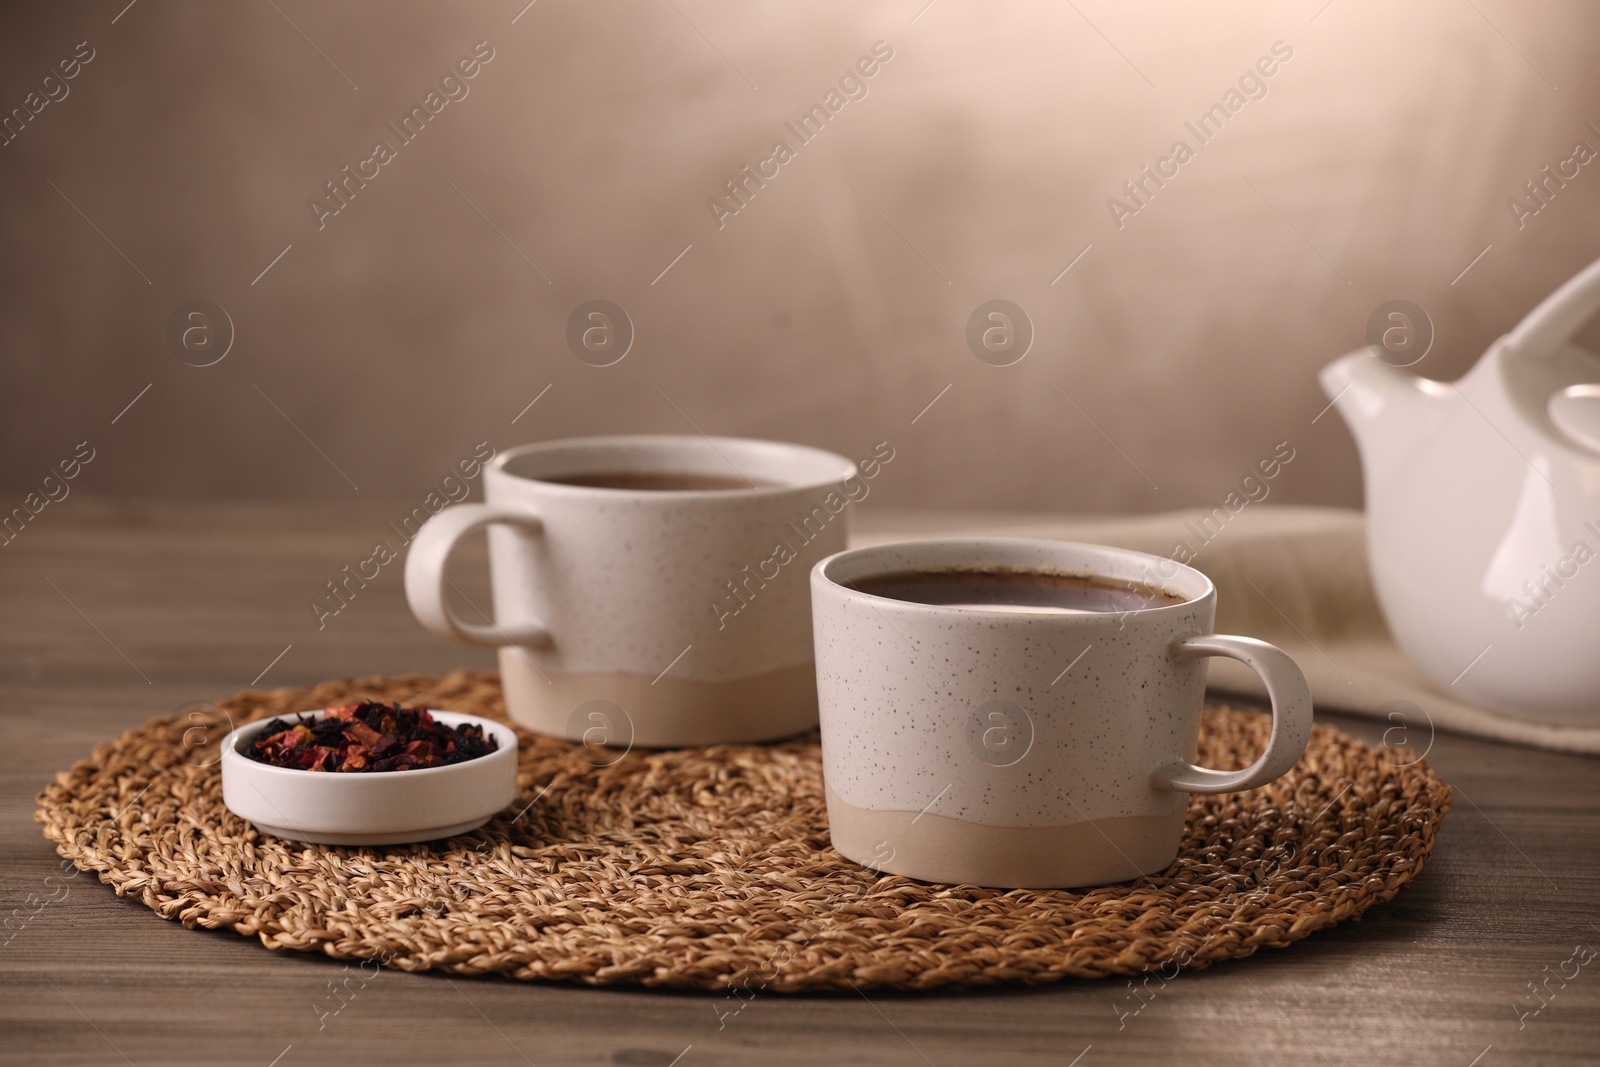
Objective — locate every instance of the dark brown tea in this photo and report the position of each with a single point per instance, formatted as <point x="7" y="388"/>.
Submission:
<point x="661" y="481"/>
<point x="1004" y="589"/>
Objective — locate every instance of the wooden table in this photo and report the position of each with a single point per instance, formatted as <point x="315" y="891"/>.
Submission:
<point x="118" y="612"/>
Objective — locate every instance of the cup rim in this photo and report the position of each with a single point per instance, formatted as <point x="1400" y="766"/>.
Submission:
<point x="844" y="468"/>
<point x="826" y="571"/>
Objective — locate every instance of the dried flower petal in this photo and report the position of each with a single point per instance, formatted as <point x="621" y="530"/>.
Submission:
<point x="366" y="738"/>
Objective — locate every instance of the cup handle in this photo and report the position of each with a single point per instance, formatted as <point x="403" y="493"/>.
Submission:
<point x="425" y="577"/>
<point x="1291" y="716"/>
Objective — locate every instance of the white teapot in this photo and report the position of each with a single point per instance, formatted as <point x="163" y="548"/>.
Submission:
<point x="1483" y="512"/>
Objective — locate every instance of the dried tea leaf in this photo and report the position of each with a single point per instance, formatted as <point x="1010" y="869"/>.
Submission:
<point x="366" y="738"/>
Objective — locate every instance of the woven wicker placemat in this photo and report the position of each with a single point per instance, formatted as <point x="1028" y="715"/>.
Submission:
<point x="711" y="868"/>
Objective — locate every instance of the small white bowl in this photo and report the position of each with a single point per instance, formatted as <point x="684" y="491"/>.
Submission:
<point x="371" y="808"/>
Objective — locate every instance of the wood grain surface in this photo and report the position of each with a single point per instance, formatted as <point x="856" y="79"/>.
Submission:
<point x="118" y="612"/>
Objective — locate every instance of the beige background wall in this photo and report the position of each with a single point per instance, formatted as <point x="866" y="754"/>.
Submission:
<point x="831" y="309"/>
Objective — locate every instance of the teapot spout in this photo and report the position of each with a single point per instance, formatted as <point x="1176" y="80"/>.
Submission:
<point x="1382" y="405"/>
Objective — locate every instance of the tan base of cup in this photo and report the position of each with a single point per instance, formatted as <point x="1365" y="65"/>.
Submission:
<point x="936" y="848"/>
<point x="663" y="712"/>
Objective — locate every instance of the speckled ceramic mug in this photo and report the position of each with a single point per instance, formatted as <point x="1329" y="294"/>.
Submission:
<point x="1015" y="748"/>
<point x="656" y="617"/>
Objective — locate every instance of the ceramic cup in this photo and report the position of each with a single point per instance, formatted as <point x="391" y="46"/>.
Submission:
<point x="1024" y="748"/>
<point x="656" y="617"/>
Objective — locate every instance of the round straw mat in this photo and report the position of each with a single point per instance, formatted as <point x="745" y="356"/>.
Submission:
<point x="711" y="868"/>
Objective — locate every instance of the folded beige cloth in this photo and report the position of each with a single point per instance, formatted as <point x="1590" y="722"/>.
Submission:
<point x="1294" y="576"/>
